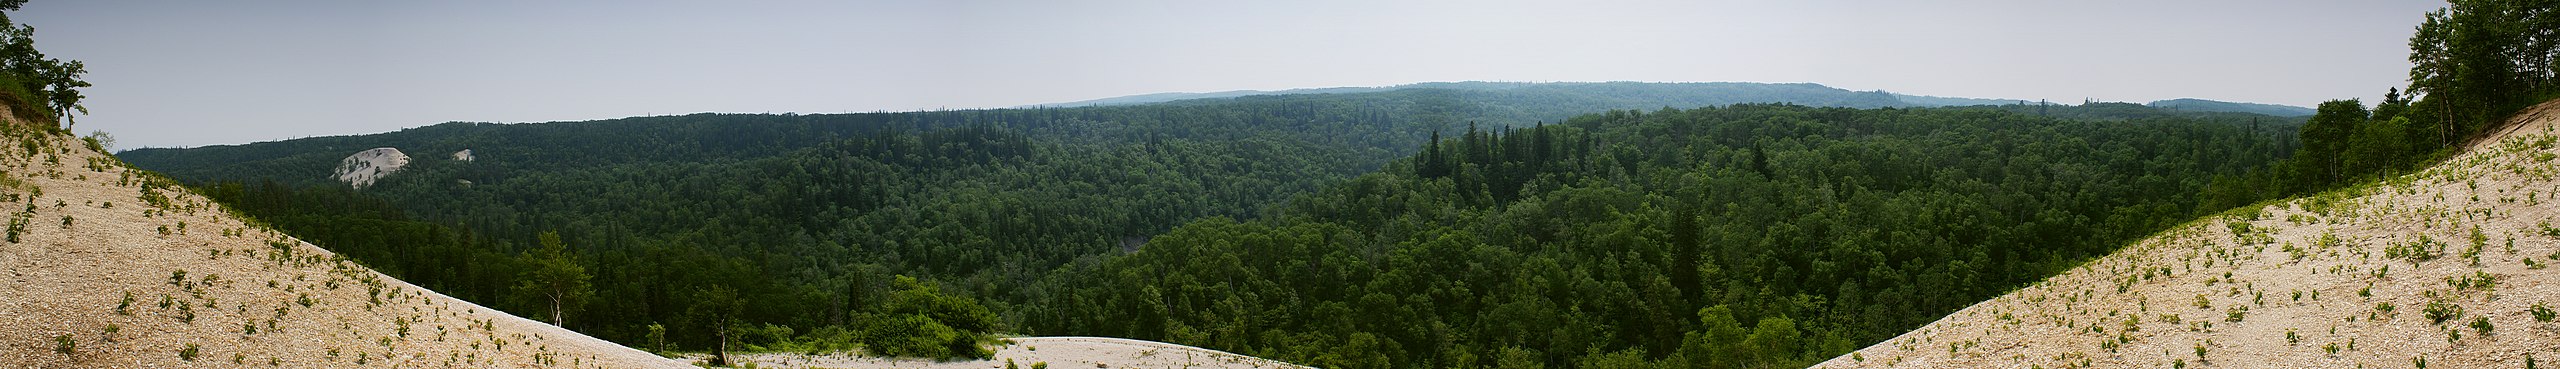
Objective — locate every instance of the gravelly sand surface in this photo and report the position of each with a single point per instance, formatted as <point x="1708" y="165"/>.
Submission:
<point x="1057" y="352"/>
<point x="248" y="297"/>
<point x="2320" y="282"/>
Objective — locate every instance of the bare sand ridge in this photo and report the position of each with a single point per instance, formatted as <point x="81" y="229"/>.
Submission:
<point x="102" y="275"/>
<point x="2444" y="268"/>
<point x="364" y="167"/>
<point x="1056" y="352"/>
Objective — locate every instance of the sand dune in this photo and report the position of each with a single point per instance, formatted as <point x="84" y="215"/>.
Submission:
<point x="2446" y="268"/>
<point x="113" y="269"/>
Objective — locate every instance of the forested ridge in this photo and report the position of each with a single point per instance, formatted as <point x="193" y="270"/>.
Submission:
<point x="1736" y="235"/>
<point x="818" y="237"/>
<point x="1760" y="236"/>
<point x="813" y="217"/>
<point x="1487" y="225"/>
<point x="1742" y="235"/>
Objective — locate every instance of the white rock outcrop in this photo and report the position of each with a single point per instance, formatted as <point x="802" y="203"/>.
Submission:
<point x="464" y="155"/>
<point x="364" y="167"/>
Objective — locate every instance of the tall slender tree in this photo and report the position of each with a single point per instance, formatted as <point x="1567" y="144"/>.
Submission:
<point x="553" y="275"/>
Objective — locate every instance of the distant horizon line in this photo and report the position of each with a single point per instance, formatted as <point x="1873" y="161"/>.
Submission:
<point x="1190" y="95"/>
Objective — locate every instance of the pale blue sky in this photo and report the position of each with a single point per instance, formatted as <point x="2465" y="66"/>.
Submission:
<point x="191" y="73"/>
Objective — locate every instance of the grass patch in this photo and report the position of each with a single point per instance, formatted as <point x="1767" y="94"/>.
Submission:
<point x="2440" y="311"/>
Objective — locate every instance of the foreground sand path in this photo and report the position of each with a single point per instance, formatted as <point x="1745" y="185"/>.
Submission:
<point x="1058" y="352"/>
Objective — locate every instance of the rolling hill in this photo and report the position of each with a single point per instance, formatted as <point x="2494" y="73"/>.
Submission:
<point x="1622" y="95"/>
<point x="2202" y="105"/>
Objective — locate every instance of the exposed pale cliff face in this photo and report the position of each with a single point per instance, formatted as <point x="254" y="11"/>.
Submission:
<point x="2450" y="267"/>
<point x="364" y="167"/>
<point x="106" y="266"/>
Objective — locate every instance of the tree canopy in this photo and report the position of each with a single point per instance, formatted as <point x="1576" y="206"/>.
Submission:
<point x="1743" y="236"/>
<point x="37" y="88"/>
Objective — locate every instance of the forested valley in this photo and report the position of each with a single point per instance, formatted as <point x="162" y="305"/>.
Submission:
<point x="804" y="249"/>
<point x="1406" y="228"/>
<point x="809" y="221"/>
<point x="1749" y="235"/>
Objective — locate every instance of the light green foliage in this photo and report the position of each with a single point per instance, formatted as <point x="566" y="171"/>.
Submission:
<point x="920" y="321"/>
<point x="2439" y="311"/>
<point x="1517" y="358"/>
<point x="910" y="336"/>
<point x="1719" y="336"/>
<point x="1774" y="340"/>
<point x="553" y="277"/>
<point x="2424" y="249"/>
<point x="36" y="88"/>
<point x="657" y="337"/>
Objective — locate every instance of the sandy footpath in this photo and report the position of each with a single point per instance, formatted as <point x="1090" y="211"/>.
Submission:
<point x="1057" y="352"/>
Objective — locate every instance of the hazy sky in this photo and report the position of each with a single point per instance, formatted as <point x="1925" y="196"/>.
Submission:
<point x="193" y="72"/>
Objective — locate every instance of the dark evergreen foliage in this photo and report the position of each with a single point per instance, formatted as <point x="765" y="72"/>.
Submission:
<point x="813" y="217"/>
<point x="1744" y="236"/>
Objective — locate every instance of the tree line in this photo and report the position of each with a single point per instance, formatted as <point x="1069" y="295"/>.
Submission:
<point x="814" y="217"/>
<point x="37" y="89"/>
<point x="791" y="232"/>
<point x="2474" y="63"/>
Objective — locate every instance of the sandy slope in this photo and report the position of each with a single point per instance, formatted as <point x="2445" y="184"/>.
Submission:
<point x="2286" y="287"/>
<point x="91" y="240"/>
<point x="1058" y="352"/>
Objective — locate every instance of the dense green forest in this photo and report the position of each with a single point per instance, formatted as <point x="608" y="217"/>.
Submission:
<point x="2223" y="106"/>
<point x="815" y="217"/>
<point x="820" y="237"/>
<point x="1341" y="229"/>
<point x="1623" y="94"/>
<point x="1749" y="236"/>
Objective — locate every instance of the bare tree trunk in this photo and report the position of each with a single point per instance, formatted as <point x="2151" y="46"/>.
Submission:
<point x="720" y="353"/>
<point x="555" y="309"/>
